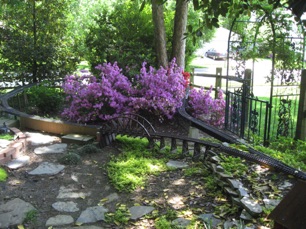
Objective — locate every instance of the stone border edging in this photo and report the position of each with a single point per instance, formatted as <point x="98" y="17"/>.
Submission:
<point x="15" y="148"/>
<point x="44" y="124"/>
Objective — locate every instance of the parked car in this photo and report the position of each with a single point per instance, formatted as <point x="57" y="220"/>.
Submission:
<point x="217" y="54"/>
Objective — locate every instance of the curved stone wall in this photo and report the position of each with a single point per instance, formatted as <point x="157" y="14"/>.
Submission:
<point x="44" y="124"/>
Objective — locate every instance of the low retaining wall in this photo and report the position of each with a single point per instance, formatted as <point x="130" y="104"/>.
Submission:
<point x="44" y="124"/>
<point x="15" y="148"/>
<point x="56" y="126"/>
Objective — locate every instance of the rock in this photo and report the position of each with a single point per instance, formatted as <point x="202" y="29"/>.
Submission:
<point x="224" y="175"/>
<point x="59" y="220"/>
<point x="219" y="168"/>
<point x="55" y="148"/>
<point x="47" y="168"/>
<point x="236" y="201"/>
<point x="215" y="159"/>
<point x="92" y="215"/>
<point x="177" y="164"/>
<point x="235" y="184"/>
<point x="285" y="185"/>
<point x="231" y="191"/>
<point x="245" y="215"/>
<point x="180" y="222"/>
<point x="81" y="227"/>
<point x="210" y="219"/>
<point x="269" y="203"/>
<point x="71" y="192"/>
<point x="112" y="197"/>
<point x="65" y="206"/>
<point x="243" y="192"/>
<point x="139" y="211"/>
<point x="18" y="162"/>
<point x="251" y="206"/>
<point x="14" y="212"/>
<point x="213" y="167"/>
<point x="40" y="139"/>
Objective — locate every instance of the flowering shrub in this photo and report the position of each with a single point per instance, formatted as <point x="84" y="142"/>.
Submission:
<point x="186" y="76"/>
<point x="207" y="109"/>
<point x="92" y="98"/>
<point x="159" y="92"/>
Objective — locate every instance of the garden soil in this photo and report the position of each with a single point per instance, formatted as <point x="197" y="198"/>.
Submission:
<point x="167" y="192"/>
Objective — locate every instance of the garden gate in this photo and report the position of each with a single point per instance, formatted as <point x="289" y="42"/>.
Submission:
<point x="273" y="50"/>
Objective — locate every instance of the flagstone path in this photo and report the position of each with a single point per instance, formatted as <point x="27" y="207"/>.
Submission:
<point x="66" y="196"/>
<point x="13" y="211"/>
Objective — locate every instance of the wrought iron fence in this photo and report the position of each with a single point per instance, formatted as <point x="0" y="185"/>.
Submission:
<point x="247" y="116"/>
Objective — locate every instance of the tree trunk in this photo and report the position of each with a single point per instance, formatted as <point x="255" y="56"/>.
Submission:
<point x="180" y="24"/>
<point x="159" y="33"/>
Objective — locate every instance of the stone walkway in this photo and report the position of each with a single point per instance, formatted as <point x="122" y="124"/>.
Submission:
<point x="14" y="211"/>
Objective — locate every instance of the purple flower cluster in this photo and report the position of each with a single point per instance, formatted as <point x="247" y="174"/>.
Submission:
<point x="91" y="98"/>
<point x="207" y="109"/>
<point x="158" y="92"/>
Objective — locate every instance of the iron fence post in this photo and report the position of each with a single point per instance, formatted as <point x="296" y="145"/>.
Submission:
<point x="301" y="119"/>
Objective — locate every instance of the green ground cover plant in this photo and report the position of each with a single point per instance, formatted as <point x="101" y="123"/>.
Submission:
<point x="3" y="174"/>
<point x="130" y="169"/>
<point x="6" y="136"/>
<point x="288" y="150"/>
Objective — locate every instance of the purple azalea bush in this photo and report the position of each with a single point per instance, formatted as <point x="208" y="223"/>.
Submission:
<point x="92" y="99"/>
<point x="157" y="92"/>
<point x="205" y="108"/>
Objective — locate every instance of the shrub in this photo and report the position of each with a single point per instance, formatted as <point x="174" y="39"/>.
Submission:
<point x="45" y="98"/>
<point x="91" y="99"/>
<point x="88" y="149"/>
<point x="207" y="109"/>
<point x="70" y="159"/>
<point x="159" y="92"/>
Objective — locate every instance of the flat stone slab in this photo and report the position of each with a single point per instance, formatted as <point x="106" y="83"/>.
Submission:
<point x="209" y="218"/>
<point x="18" y="162"/>
<point x="77" y="138"/>
<point x="177" y="164"/>
<point x="111" y="197"/>
<point x="92" y="215"/>
<point x="59" y="220"/>
<point x="181" y="222"/>
<point x="55" y="148"/>
<point x="65" y="206"/>
<point x="71" y="193"/>
<point x="81" y="227"/>
<point x="251" y="206"/>
<point x="47" y="168"/>
<point x="139" y="211"/>
<point x="14" y="212"/>
<point x="4" y="143"/>
<point x="41" y="139"/>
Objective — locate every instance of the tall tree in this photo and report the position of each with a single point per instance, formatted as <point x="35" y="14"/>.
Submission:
<point x="33" y="39"/>
<point x="159" y="33"/>
<point x="180" y="24"/>
<point x="212" y="10"/>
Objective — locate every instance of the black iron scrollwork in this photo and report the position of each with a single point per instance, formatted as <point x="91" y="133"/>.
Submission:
<point x="253" y="125"/>
<point x="284" y="118"/>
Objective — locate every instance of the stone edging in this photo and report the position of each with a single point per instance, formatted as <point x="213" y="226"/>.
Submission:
<point x="15" y="148"/>
<point x="44" y="124"/>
